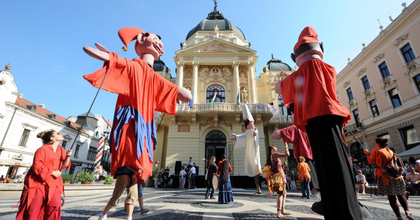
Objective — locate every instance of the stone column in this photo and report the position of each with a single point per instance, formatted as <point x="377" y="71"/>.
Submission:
<point x="180" y="74"/>
<point x="195" y="82"/>
<point x="251" y="82"/>
<point x="235" y="86"/>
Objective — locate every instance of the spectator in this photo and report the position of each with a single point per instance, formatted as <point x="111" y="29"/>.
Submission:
<point x="192" y="171"/>
<point x="2" y="179"/>
<point x="304" y="177"/>
<point x="190" y="162"/>
<point x="182" y="177"/>
<point x="361" y="181"/>
<point x="212" y="169"/>
<point x="413" y="181"/>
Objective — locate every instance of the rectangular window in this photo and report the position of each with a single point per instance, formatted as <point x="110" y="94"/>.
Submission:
<point x="417" y="81"/>
<point x="395" y="98"/>
<point x="408" y="53"/>
<point x="91" y="153"/>
<point x="356" y="118"/>
<point x="24" y="137"/>
<point x="366" y="84"/>
<point x="374" y="108"/>
<point x="283" y="109"/>
<point x="64" y="144"/>
<point x="350" y="94"/>
<point x="410" y="137"/>
<point x="76" y="152"/>
<point x="384" y="70"/>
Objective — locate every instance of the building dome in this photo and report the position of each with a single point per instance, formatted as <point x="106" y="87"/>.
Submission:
<point x="276" y="65"/>
<point x="213" y="19"/>
<point x="159" y="66"/>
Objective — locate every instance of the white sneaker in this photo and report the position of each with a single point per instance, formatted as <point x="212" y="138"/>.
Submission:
<point x="102" y="217"/>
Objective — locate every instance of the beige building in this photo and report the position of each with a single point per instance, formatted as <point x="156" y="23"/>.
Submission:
<point x="216" y="61"/>
<point x="381" y="86"/>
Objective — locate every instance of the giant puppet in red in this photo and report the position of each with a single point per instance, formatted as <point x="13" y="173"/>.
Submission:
<point x="140" y="91"/>
<point x="312" y="89"/>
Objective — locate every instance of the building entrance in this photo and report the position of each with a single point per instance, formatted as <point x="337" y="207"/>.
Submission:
<point x="215" y="145"/>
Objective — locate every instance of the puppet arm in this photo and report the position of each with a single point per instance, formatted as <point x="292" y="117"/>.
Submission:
<point x="233" y="137"/>
<point x="184" y="94"/>
<point x="276" y="134"/>
<point x="101" y="54"/>
<point x="255" y="131"/>
<point x="277" y="88"/>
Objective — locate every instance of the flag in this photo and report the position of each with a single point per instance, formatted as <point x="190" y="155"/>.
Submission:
<point x="214" y="97"/>
<point x="191" y="102"/>
<point x="238" y="99"/>
<point x="99" y="152"/>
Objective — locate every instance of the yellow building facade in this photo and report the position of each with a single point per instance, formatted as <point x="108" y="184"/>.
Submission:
<point x="216" y="62"/>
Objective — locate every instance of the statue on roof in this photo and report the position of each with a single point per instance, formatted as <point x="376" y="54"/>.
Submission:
<point x="215" y="5"/>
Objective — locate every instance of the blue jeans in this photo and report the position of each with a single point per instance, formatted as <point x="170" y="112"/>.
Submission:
<point x="209" y="187"/>
<point x="192" y="181"/>
<point x="304" y="186"/>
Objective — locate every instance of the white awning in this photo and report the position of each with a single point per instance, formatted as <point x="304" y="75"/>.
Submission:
<point x="13" y="163"/>
<point x="413" y="151"/>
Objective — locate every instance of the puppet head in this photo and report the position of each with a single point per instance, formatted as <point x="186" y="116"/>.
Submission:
<point x="147" y="44"/>
<point x="307" y="46"/>
<point x="248" y="119"/>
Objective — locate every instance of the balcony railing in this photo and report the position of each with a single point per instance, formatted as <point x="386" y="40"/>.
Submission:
<point x="222" y="107"/>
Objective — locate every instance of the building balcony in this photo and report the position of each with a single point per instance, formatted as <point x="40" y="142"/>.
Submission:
<point x="222" y="107"/>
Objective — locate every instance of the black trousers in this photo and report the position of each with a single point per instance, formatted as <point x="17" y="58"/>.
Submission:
<point x="333" y="167"/>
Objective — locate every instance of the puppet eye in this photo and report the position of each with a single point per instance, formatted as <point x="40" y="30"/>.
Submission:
<point x="159" y="37"/>
<point x="147" y="34"/>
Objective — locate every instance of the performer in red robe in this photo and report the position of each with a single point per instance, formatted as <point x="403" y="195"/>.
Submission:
<point x="43" y="186"/>
<point x="312" y="88"/>
<point x="140" y="91"/>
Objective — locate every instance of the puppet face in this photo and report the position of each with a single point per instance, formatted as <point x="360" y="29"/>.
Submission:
<point x="149" y="43"/>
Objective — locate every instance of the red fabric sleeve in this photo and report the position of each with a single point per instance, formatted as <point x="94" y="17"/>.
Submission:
<point x="287" y="89"/>
<point x="219" y="167"/>
<point x="63" y="158"/>
<point x="118" y="77"/>
<point x="166" y="95"/>
<point x="39" y="167"/>
<point x="230" y="169"/>
<point x="288" y="134"/>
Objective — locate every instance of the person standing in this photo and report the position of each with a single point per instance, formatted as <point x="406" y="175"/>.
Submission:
<point x="212" y="169"/>
<point x="43" y="186"/>
<point x="392" y="188"/>
<point x="274" y="158"/>
<point x="312" y="89"/>
<point x="182" y="177"/>
<point x="225" y="188"/>
<point x="192" y="172"/>
<point x="304" y="177"/>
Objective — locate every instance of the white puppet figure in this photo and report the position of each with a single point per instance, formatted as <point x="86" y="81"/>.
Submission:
<point x="250" y="141"/>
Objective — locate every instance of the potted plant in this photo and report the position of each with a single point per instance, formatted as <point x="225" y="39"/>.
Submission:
<point x="85" y="177"/>
<point x="108" y="180"/>
<point x="66" y="178"/>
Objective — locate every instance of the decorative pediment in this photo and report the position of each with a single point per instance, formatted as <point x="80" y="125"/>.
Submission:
<point x="378" y="58"/>
<point x="401" y="40"/>
<point x="362" y="71"/>
<point x="412" y="67"/>
<point x="369" y="93"/>
<point x="388" y="82"/>
<point x="346" y="84"/>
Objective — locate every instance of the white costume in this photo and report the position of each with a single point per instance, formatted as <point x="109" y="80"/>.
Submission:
<point x="251" y="143"/>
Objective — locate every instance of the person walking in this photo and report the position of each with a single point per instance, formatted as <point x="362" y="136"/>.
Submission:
<point x="192" y="182"/>
<point x="304" y="177"/>
<point x="392" y="188"/>
<point x="212" y="169"/>
<point x="43" y="186"/>
<point x="225" y="188"/>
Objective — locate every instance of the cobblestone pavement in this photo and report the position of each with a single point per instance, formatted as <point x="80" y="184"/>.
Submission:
<point x="190" y="204"/>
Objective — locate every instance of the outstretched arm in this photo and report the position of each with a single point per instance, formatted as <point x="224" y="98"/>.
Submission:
<point x="101" y="54"/>
<point x="184" y="95"/>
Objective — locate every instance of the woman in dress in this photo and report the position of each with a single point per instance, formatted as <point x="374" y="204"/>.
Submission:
<point x="277" y="167"/>
<point x="225" y="188"/>
<point x="304" y="177"/>
<point x="392" y="188"/>
<point x="43" y="186"/>
<point x="212" y="168"/>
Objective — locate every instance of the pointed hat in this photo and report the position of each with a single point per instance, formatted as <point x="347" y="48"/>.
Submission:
<point x="246" y="113"/>
<point x="308" y="40"/>
<point x="128" y="34"/>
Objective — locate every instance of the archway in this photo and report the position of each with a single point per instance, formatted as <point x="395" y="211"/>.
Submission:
<point x="215" y="145"/>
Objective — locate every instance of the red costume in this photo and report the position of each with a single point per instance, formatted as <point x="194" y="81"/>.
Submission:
<point x="40" y="186"/>
<point x="299" y="138"/>
<point x="313" y="99"/>
<point x="141" y="92"/>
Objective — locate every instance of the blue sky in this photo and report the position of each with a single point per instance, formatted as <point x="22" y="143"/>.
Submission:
<point x="43" y="40"/>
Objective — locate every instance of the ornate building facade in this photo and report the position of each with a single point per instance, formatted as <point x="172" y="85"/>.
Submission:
<point x="381" y="87"/>
<point x="216" y="63"/>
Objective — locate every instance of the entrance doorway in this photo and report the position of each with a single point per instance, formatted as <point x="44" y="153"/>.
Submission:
<point x="215" y="145"/>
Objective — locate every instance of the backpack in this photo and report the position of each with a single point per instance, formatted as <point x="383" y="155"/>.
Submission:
<point x="394" y="168"/>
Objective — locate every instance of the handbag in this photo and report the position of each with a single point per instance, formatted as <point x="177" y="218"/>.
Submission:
<point x="393" y="168"/>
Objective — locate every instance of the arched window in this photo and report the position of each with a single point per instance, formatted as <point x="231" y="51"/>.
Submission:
<point x="220" y="93"/>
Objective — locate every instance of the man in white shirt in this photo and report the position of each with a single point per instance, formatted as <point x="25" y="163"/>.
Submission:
<point x="413" y="181"/>
<point x="192" y="171"/>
